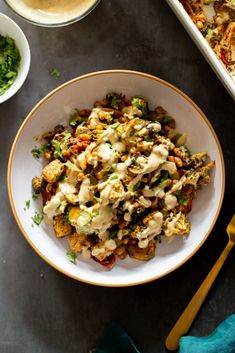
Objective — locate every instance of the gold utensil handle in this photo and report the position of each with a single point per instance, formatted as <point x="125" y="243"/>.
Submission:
<point x="186" y="319"/>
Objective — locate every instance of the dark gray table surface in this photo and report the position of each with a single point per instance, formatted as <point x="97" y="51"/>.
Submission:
<point x="41" y="310"/>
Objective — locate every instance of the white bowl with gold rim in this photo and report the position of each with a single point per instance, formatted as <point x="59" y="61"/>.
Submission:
<point x="83" y="92"/>
<point x="8" y="28"/>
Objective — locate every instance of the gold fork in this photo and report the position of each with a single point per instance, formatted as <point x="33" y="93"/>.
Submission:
<point x="186" y="319"/>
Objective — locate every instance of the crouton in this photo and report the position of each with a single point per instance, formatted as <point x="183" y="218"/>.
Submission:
<point x="53" y="171"/>
<point x="61" y="227"/>
<point x="77" y="242"/>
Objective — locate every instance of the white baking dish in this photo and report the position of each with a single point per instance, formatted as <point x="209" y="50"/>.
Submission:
<point x="203" y="45"/>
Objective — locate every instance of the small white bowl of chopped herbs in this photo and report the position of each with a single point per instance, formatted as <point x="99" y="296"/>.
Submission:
<point x="14" y="58"/>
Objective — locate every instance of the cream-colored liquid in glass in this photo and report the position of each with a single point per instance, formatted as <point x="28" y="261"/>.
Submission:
<point x="51" y="11"/>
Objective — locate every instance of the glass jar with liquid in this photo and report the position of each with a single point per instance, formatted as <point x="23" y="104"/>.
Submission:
<point x="52" y="13"/>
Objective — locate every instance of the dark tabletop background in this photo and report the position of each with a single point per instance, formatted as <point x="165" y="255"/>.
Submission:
<point x="41" y="310"/>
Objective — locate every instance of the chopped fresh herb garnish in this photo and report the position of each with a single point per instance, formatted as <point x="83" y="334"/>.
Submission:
<point x="140" y="103"/>
<point x="148" y="139"/>
<point x="177" y="136"/>
<point x="112" y="235"/>
<point x="37" y="218"/>
<point x="58" y="151"/>
<point x="130" y="162"/>
<point x="133" y="132"/>
<point x="27" y="204"/>
<point x="115" y="100"/>
<point x="135" y="188"/>
<point x="93" y="215"/>
<point x="71" y="166"/>
<point x="167" y="119"/>
<point x="35" y="195"/>
<point x="9" y="63"/>
<point x="66" y="217"/>
<point x="115" y="126"/>
<point x="114" y="177"/>
<point x="182" y="200"/>
<point x="83" y="122"/>
<point x="55" y="72"/>
<point x="164" y="176"/>
<point x="71" y="256"/>
<point x="73" y="120"/>
<point x="37" y="152"/>
<point x="97" y="199"/>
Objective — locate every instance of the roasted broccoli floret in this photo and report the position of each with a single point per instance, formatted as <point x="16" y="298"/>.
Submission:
<point x="37" y="184"/>
<point x="140" y="103"/>
<point x="200" y="176"/>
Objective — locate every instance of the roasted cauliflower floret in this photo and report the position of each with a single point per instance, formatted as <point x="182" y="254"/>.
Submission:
<point x="52" y="171"/>
<point x="176" y="225"/>
<point x="61" y="227"/>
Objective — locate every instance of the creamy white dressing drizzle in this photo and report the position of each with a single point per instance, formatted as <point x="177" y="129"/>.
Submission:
<point x="85" y="193"/>
<point x="170" y="201"/>
<point x="170" y="225"/>
<point x="153" y="228"/>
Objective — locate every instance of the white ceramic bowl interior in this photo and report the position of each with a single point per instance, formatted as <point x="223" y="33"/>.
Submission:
<point x="9" y="28"/>
<point x="82" y="92"/>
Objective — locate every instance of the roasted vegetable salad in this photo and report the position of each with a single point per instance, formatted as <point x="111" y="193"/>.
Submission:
<point x="118" y="178"/>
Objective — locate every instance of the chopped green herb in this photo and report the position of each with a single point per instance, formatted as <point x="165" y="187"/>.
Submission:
<point x="135" y="188"/>
<point x="83" y="122"/>
<point x="73" y="120"/>
<point x="71" y="166"/>
<point x="9" y="63"/>
<point x="166" y="120"/>
<point x="115" y="126"/>
<point x="37" y="152"/>
<point x="27" y="204"/>
<point x="148" y="139"/>
<point x="182" y="200"/>
<point x="115" y="100"/>
<point x="93" y="215"/>
<point x="97" y="199"/>
<point x="58" y="151"/>
<point x="37" y="218"/>
<point x="114" y="177"/>
<point x="35" y="195"/>
<point x="55" y="72"/>
<point x="130" y="162"/>
<point x="71" y="256"/>
<point x="112" y="235"/>
<point x="177" y="136"/>
<point x="164" y="176"/>
<point x="140" y="103"/>
<point x="66" y="217"/>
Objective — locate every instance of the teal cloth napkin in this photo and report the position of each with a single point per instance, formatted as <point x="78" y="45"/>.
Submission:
<point x="116" y="340"/>
<point x="222" y="340"/>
